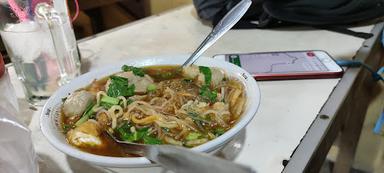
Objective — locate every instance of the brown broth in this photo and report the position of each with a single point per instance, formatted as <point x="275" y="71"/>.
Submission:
<point x="171" y="73"/>
<point x="163" y="72"/>
<point x="110" y="147"/>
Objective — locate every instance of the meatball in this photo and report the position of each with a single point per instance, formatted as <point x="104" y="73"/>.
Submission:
<point x="193" y="72"/>
<point x="141" y="83"/>
<point x="77" y="102"/>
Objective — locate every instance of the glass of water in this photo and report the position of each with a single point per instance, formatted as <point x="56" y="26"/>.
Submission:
<point x="43" y="50"/>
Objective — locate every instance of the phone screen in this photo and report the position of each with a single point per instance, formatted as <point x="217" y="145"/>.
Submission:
<point x="278" y="62"/>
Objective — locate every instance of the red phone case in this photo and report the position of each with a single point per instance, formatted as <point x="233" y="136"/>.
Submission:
<point x="322" y="75"/>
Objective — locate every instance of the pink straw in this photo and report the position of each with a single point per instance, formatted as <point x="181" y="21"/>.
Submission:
<point x="22" y="15"/>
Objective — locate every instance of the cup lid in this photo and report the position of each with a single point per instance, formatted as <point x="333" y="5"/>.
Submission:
<point x="2" y="66"/>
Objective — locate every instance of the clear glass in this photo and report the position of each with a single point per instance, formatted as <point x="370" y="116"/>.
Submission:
<point x="42" y="49"/>
<point x="17" y="153"/>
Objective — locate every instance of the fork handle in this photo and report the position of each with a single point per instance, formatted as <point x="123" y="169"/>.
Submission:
<point x="182" y="160"/>
<point x="230" y="19"/>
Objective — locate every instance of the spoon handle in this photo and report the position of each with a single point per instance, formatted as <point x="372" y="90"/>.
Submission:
<point x="181" y="160"/>
<point x="230" y="19"/>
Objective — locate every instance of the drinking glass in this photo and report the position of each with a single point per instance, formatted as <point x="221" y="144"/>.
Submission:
<point x="41" y="45"/>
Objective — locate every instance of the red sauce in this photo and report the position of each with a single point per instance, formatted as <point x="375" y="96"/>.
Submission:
<point x="2" y="66"/>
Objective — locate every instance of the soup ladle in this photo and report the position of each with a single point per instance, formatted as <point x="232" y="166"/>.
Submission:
<point x="226" y="23"/>
<point x="181" y="160"/>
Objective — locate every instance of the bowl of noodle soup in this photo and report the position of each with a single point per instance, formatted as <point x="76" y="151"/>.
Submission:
<point x="147" y="110"/>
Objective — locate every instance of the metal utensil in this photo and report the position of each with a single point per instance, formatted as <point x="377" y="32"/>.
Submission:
<point x="230" y="19"/>
<point x="182" y="160"/>
<point x="233" y="148"/>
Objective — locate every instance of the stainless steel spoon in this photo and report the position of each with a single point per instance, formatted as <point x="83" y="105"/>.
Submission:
<point x="182" y="160"/>
<point x="230" y="19"/>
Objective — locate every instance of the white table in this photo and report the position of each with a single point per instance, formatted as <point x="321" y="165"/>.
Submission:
<point x="287" y="110"/>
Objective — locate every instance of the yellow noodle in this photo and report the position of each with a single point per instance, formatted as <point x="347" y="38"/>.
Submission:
<point x="146" y="110"/>
<point x="158" y="130"/>
<point x="112" y="113"/>
<point x="97" y="107"/>
<point x="165" y="103"/>
<point x="234" y="97"/>
<point x="172" y="141"/>
<point x="182" y="133"/>
<point x="126" y="116"/>
<point x="152" y="102"/>
<point x="211" y="136"/>
<point x="151" y="130"/>
<point x="196" y="142"/>
<point x="98" y="96"/>
<point x="146" y="120"/>
<point x="181" y="122"/>
<point x="186" y="94"/>
<point x="167" y="124"/>
<point x="102" y="110"/>
<point x="238" y="108"/>
<point x="190" y="123"/>
<point x="136" y="105"/>
<point x="217" y="117"/>
<point x="122" y="98"/>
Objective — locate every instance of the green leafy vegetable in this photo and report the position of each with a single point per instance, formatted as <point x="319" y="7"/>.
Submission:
<point x="198" y="120"/>
<point x="129" y="101"/>
<point x="219" y="131"/>
<point x="192" y="136"/>
<point x="199" y="125"/>
<point x="207" y="74"/>
<point x="87" y="114"/>
<point x="67" y="127"/>
<point x="207" y="94"/>
<point x="140" y="135"/>
<point x="106" y="105"/>
<point x="151" y="140"/>
<point x="110" y="100"/>
<point x="196" y="117"/>
<point x="119" y="87"/>
<point x="107" y="102"/>
<point x="124" y="132"/>
<point x="142" y="132"/>
<point x="135" y="70"/>
<point x="151" y="88"/>
<point x="136" y="136"/>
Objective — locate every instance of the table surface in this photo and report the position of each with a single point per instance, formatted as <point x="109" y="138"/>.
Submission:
<point x="287" y="108"/>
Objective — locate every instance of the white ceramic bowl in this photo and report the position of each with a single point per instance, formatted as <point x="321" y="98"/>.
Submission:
<point x="50" y="117"/>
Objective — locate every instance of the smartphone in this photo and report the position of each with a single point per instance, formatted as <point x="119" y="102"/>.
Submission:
<point x="311" y="64"/>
